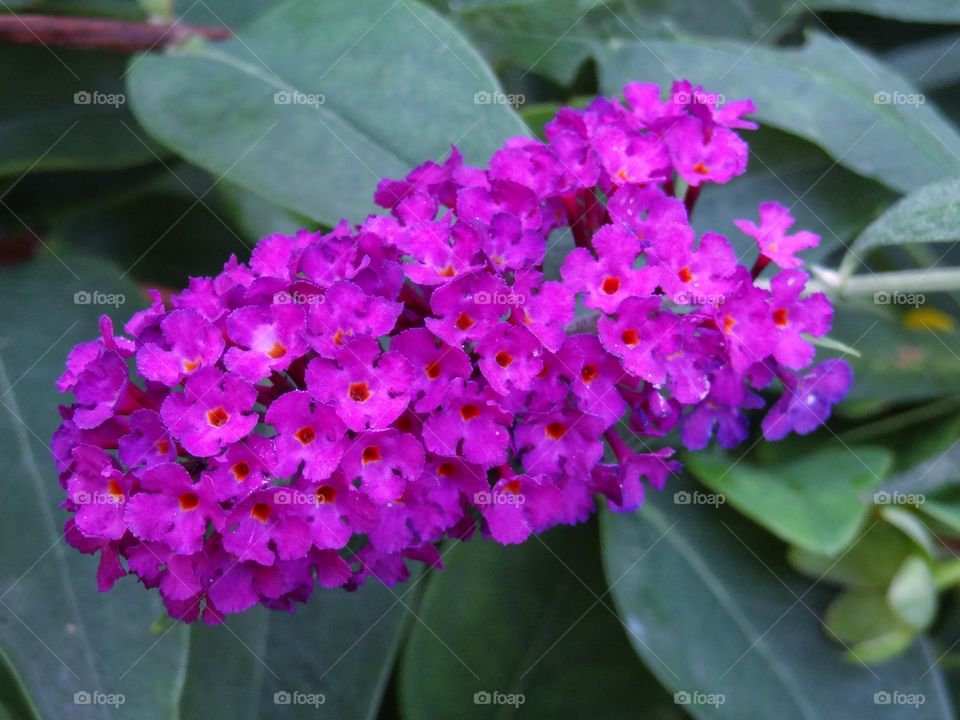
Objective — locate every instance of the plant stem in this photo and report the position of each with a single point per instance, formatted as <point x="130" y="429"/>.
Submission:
<point x="907" y="281"/>
<point x="98" y="34"/>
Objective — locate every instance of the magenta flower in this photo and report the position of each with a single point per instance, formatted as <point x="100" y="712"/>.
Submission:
<point x="771" y="235"/>
<point x="172" y="508"/>
<point x="309" y="435"/>
<point x="611" y="278"/>
<point x="334" y="408"/>
<point x="212" y="411"/>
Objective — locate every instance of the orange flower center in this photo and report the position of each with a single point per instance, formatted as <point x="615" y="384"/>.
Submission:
<point x="359" y="392"/>
<point x="305" y="435"/>
<point x="261" y="512"/>
<point x="217" y="417"/>
<point x="188" y="501"/>
<point x="555" y="430"/>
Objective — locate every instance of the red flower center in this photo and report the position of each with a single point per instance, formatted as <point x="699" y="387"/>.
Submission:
<point x="359" y="392"/>
<point x="217" y="417"/>
<point x="188" y="501"/>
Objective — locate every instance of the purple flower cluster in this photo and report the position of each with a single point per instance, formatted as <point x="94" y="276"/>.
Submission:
<point x="345" y="401"/>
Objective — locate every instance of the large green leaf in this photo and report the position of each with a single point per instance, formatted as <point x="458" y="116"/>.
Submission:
<point x="898" y="361"/>
<point x="718" y="613"/>
<point x="385" y="86"/>
<point x="817" y="502"/>
<point x="826" y="91"/>
<point x="60" y="635"/>
<point x="555" y="37"/>
<point x="532" y="620"/>
<point x="928" y="215"/>
<point x="340" y="646"/>
<point x="44" y="123"/>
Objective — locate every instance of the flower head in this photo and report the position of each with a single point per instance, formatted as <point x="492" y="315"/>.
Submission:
<point x="336" y="406"/>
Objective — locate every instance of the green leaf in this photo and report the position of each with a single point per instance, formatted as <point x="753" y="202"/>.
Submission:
<point x="928" y="215"/>
<point x="912" y="594"/>
<point x="863" y="621"/>
<point x="710" y="598"/>
<point x="340" y="645"/>
<point x="818" y="502"/>
<point x="870" y="562"/>
<point x="823" y="92"/>
<point x="910" y="524"/>
<point x="900" y="360"/>
<point x="943" y="503"/>
<point x="315" y="101"/>
<point x="44" y="123"/>
<point x="61" y="636"/>
<point x="937" y="479"/>
<point x="555" y="37"/>
<point x="533" y="620"/>
<point x="928" y="11"/>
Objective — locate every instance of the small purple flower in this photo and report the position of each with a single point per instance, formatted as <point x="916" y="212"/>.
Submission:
<point x="186" y="343"/>
<point x="368" y="389"/>
<point x="348" y="312"/>
<point x="658" y="346"/>
<point x="520" y="505"/>
<point x="308" y="434"/>
<point x="611" y="278"/>
<point x="771" y="235"/>
<point x="99" y="491"/>
<point x="269" y="525"/>
<point x="808" y="399"/>
<point x="266" y="340"/>
<point x="468" y="307"/>
<point x="172" y="509"/>
<point x="212" y="411"/>
<point x="469" y="424"/>
<point x="384" y="461"/>
<point x="794" y="316"/>
<point x="561" y="442"/>
<point x="148" y="442"/>
<point x="435" y="365"/>
<point x="510" y="358"/>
